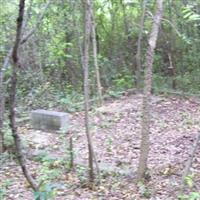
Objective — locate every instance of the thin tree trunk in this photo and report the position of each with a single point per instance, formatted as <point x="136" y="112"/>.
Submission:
<point x="87" y="32"/>
<point x="71" y="152"/>
<point x="172" y="47"/>
<point x="39" y="20"/>
<point x="77" y="33"/>
<point x="12" y="115"/>
<point x="172" y="71"/>
<point x="94" y="44"/>
<point x="2" y="98"/>
<point x="1" y="112"/>
<point x="128" y="45"/>
<point x="144" y="147"/>
<point x="138" y="54"/>
<point x="4" y="67"/>
<point x="26" y="37"/>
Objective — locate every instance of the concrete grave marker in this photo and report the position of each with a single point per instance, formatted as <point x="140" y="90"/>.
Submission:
<point x="49" y="120"/>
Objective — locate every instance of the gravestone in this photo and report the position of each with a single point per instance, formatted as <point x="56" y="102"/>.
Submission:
<point x="49" y="120"/>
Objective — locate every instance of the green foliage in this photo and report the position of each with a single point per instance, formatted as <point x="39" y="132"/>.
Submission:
<point x="2" y="193"/>
<point x="40" y="156"/>
<point x="52" y="75"/>
<point x="120" y="82"/>
<point x="143" y="190"/>
<point x="109" y="143"/>
<point x="3" y="187"/>
<point x="4" y="157"/>
<point x="159" y="82"/>
<point x="58" y="48"/>
<point x="46" y="191"/>
<point x="189" y="181"/>
<point x="188" y="82"/>
<point x="107" y="70"/>
<point x="55" y="50"/>
<point x="123" y="81"/>
<point x="69" y="101"/>
<point x="189" y="15"/>
<point x="50" y="169"/>
<point x="8" y="138"/>
<point x="192" y="195"/>
<point x="38" y="93"/>
<point x="114" y="94"/>
<point x="81" y="173"/>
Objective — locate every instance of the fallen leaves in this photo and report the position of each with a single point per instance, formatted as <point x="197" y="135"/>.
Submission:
<point x="116" y="135"/>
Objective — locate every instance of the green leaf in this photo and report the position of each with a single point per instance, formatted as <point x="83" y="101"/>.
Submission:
<point x="194" y="196"/>
<point x="36" y="195"/>
<point x="189" y="181"/>
<point x="187" y="15"/>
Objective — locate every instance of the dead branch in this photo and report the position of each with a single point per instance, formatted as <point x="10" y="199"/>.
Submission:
<point x="190" y="160"/>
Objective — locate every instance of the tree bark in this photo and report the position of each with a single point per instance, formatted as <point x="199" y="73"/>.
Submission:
<point x="94" y="45"/>
<point x="172" y="47"/>
<point x="26" y="37"/>
<point x="138" y="54"/>
<point x="172" y="70"/>
<point x="87" y="32"/>
<point x="39" y="20"/>
<point x="12" y="114"/>
<point x="1" y="112"/>
<point x="145" y="143"/>
<point x="4" y="67"/>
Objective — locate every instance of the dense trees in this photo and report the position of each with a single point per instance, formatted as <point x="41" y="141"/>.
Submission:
<point x="64" y="53"/>
<point x="119" y="28"/>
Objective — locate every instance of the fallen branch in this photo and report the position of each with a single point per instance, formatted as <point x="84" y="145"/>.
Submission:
<point x="189" y="162"/>
<point x="175" y="92"/>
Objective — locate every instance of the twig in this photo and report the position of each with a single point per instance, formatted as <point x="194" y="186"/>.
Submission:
<point x="32" y="31"/>
<point x="26" y="37"/>
<point x="189" y="162"/>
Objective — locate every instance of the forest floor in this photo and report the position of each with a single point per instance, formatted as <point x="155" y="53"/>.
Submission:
<point x="115" y="129"/>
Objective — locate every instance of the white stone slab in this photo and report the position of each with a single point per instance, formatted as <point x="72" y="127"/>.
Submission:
<point x="49" y="120"/>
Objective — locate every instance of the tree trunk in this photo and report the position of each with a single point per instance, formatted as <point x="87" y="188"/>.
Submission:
<point x="144" y="147"/>
<point x="94" y="44"/>
<point x="138" y="54"/>
<point x="6" y="61"/>
<point x="172" y="71"/>
<point x="1" y="112"/>
<point x="12" y="115"/>
<point x="2" y="98"/>
<point x="172" y="47"/>
<point x="87" y="32"/>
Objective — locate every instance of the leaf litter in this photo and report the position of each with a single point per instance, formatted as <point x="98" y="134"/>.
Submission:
<point x="115" y="129"/>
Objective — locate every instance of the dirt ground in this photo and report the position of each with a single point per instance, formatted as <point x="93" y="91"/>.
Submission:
<point x="115" y="129"/>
